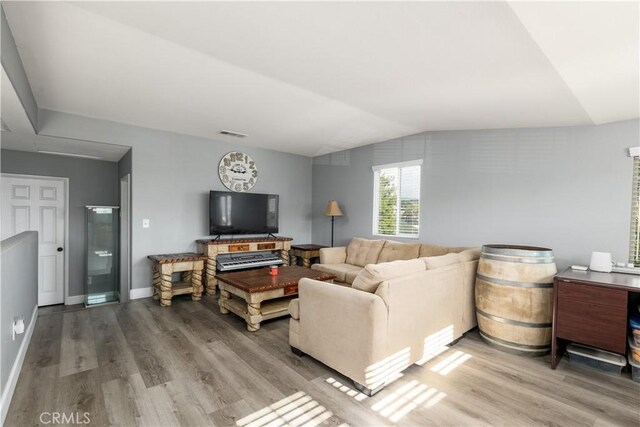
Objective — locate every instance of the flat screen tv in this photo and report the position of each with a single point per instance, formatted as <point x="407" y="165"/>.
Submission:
<point x="242" y="213"/>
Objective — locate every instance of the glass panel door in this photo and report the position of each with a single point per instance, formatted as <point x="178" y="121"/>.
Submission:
<point x="102" y="254"/>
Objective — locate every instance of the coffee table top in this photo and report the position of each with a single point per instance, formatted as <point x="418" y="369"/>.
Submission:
<point x="259" y="280"/>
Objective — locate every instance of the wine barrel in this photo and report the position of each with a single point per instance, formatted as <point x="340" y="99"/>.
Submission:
<point x="514" y="298"/>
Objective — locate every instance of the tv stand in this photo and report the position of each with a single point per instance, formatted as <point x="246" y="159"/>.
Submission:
<point x="213" y="247"/>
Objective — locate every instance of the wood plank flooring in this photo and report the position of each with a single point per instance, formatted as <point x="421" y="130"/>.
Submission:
<point x="142" y="364"/>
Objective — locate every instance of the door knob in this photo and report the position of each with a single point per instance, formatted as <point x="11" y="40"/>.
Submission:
<point x="60" y="249"/>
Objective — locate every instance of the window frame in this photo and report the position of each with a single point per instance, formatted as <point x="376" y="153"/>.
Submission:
<point x="634" y="229"/>
<point x="376" y="199"/>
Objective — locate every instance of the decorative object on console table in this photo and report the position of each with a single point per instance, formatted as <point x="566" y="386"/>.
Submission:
<point x="591" y="308"/>
<point x="333" y="210"/>
<point x="190" y="264"/>
<point x="212" y="248"/>
<point x="514" y="292"/>
<point x="255" y="295"/>
<point x="307" y="252"/>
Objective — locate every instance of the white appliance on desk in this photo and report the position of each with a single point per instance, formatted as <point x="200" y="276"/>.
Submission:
<point x="603" y="262"/>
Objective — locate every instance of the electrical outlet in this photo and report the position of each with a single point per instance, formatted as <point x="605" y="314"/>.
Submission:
<point x="145" y="223"/>
<point x="18" y="326"/>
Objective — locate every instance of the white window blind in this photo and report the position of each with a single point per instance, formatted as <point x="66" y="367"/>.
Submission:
<point x="396" y="195"/>
<point x="634" y="247"/>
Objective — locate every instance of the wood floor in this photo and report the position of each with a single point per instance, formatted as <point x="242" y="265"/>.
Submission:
<point x="142" y="364"/>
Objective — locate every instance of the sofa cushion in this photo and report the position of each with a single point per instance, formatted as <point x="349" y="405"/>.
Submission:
<point x="433" y="250"/>
<point x="373" y="274"/>
<point x="393" y="251"/>
<point x="458" y="249"/>
<point x="294" y="308"/>
<point x="469" y="254"/>
<point x="350" y="276"/>
<point x="361" y="252"/>
<point x="338" y="270"/>
<point x="433" y="262"/>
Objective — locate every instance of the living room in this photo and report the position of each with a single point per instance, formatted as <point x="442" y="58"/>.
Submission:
<point x="445" y="126"/>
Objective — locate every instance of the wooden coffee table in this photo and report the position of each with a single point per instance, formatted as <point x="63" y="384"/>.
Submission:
<point x="255" y="295"/>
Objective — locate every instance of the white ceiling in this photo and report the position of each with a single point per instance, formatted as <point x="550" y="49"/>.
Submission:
<point x="312" y="78"/>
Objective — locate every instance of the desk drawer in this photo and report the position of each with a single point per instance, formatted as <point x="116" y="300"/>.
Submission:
<point x="581" y="293"/>
<point x="592" y="315"/>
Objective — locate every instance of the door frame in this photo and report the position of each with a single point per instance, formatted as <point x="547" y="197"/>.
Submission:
<point x="125" y="238"/>
<point x="65" y="183"/>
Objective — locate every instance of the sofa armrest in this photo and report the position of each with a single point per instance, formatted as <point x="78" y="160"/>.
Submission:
<point x="333" y="255"/>
<point x="345" y="329"/>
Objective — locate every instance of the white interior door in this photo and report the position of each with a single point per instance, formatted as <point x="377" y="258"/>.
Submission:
<point x="39" y="204"/>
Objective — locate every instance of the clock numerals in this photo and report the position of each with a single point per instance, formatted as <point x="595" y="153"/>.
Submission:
<point x="234" y="171"/>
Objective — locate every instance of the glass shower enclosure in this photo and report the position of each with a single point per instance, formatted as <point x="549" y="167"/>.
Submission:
<point x="102" y="260"/>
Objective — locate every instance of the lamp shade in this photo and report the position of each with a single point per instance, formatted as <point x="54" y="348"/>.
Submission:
<point x="333" y="209"/>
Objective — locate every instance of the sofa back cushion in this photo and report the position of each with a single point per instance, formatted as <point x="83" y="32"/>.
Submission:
<point x="393" y="251"/>
<point x="373" y="274"/>
<point x="471" y="254"/>
<point x="432" y="250"/>
<point x="361" y="252"/>
<point x="433" y="262"/>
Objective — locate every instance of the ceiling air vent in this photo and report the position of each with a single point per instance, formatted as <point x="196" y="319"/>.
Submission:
<point x="232" y="133"/>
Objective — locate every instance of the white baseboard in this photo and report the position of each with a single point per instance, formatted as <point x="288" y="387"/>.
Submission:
<point x="141" y="293"/>
<point x="7" y="393"/>
<point x="73" y="300"/>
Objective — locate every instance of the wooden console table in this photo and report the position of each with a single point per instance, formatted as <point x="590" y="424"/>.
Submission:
<point x="592" y="308"/>
<point x="212" y="248"/>
<point x="189" y="264"/>
<point x="306" y="252"/>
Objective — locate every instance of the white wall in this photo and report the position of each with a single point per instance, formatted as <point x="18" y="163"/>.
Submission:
<point x="566" y="188"/>
<point x="18" y="298"/>
<point x="172" y="177"/>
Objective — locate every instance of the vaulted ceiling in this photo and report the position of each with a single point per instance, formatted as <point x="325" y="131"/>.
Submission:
<point x="316" y="77"/>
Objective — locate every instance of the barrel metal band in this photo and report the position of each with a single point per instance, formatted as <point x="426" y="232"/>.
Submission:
<point x="521" y="260"/>
<point x="514" y="284"/>
<point x="517" y="252"/>
<point x="515" y="344"/>
<point x="512" y="322"/>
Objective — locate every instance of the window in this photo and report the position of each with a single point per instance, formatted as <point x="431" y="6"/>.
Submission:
<point x="634" y="247"/>
<point x="396" y="199"/>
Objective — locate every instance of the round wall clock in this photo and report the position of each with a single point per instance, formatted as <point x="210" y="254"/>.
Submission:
<point x="238" y="171"/>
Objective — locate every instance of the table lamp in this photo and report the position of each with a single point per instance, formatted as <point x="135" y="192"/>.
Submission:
<point x="332" y="210"/>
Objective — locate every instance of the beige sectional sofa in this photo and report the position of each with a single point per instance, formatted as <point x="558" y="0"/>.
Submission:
<point x="388" y="314"/>
<point x="347" y="262"/>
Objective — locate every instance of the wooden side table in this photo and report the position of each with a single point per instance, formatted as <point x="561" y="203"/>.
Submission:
<point x="189" y="264"/>
<point x="306" y="252"/>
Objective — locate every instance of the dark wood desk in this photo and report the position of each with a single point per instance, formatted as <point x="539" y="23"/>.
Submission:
<point x="591" y="308"/>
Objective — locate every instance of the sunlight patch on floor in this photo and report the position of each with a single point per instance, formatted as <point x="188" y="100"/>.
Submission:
<point x="379" y="373"/>
<point x="346" y="389"/>
<point x="451" y="362"/>
<point x="407" y="398"/>
<point x="297" y="410"/>
<point x="435" y="344"/>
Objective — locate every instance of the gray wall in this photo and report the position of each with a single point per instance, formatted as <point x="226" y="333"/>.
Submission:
<point x="566" y="188"/>
<point x="91" y="182"/>
<point x="18" y="297"/>
<point x="125" y="165"/>
<point x="172" y="177"/>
